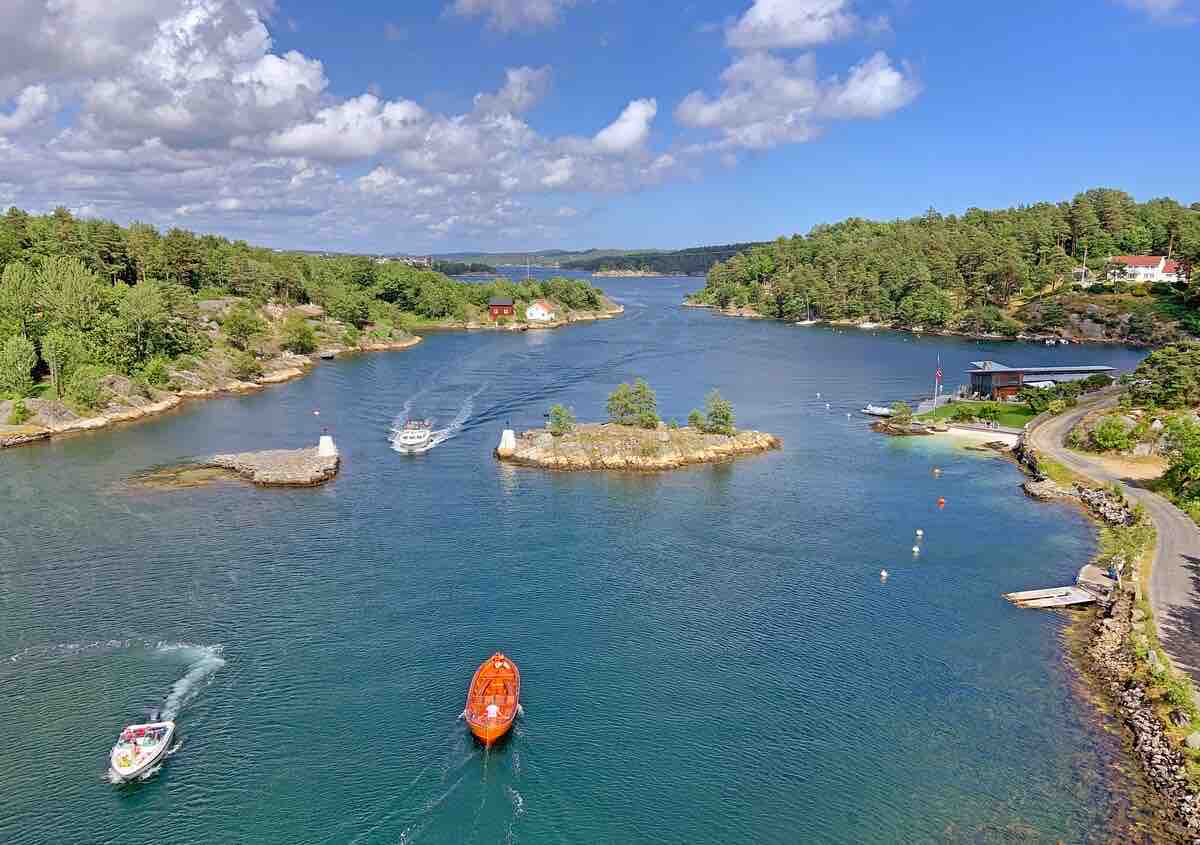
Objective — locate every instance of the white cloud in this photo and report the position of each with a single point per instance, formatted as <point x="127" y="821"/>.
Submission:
<point x="792" y="23"/>
<point x="873" y="89"/>
<point x="767" y="101"/>
<point x="1155" y="8"/>
<point x="630" y="130"/>
<point x="356" y="128"/>
<point x="33" y="105"/>
<point x="524" y="88"/>
<point x="508" y="15"/>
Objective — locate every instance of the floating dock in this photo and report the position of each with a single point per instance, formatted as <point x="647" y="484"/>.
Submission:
<point x="1091" y="585"/>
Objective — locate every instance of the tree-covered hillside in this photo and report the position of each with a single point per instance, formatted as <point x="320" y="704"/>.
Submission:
<point x="695" y="261"/>
<point x="968" y="272"/>
<point x="90" y="298"/>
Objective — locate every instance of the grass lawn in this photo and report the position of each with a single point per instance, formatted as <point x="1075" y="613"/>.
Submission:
<point x="1012" y="415"/>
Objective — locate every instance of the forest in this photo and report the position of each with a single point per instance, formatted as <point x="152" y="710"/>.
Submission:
<point x="971" y="272"/>
<point x="82" y="298"/>
<point x="695" y="261"/>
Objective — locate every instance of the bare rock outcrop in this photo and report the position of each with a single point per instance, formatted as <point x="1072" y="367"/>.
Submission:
<point x="280" y="467"/>
<point x="619" y="447"/>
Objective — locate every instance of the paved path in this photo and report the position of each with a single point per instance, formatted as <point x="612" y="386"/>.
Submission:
<point x="1175" y="576"/>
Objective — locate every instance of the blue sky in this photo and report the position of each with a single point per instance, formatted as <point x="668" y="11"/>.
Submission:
<point x="442" y="125"/>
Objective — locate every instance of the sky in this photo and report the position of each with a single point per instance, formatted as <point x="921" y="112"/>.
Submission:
<point x="418" y="126"/>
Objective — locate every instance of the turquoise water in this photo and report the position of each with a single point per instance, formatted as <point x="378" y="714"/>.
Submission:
<point x="708" y="656"/>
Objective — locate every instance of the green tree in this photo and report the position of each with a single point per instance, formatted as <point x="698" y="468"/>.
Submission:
<point x="242" y="326"/>
<point x="245" y="367"/>
<point x="19" y="413"/>
<point x="696" y="420"/>
<point x="622" y="409"/>
<point x="18" y="301"/>
<point x="86" y="390"/>
<point x="901" y="413"/>
<point x="562" y="420"/>
<point x="296" y="335"/>
<point x="718" y="418"/>
<point x="350" y="306"/>
<point x="61" y="350"/>
<point x="1183" y="457"/>
<point x="633" y="405"/>
<point x="18" y="357"/>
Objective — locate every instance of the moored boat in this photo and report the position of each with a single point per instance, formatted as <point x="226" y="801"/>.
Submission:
<point x="139" y="748"/>
<point x="493" y="698"/>
<point x="877" y="411"/>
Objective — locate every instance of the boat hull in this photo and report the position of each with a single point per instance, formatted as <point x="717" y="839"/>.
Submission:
<point x="126" y="766"/>
<point x="493" y="699"/>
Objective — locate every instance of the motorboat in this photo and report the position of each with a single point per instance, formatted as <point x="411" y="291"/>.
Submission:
<point x="493" y="699"/>
<point x="413" y="437"/>
<point x="140" y="748"/>
<point x="877" y="411"/>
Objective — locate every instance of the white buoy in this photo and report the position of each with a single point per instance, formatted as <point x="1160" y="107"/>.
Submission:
<point x="826" y="406"/>
<point x="508" y="443"/>
<point x="883" y="574"/>
<point x="327" y="448"/>
<point x="920" y="533"/>
<point x="916" y="550"/>
<point x="818" y="395"/>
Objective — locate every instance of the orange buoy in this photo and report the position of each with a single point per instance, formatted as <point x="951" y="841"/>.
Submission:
<point x="493" y="698"/>
<point x="941" y="503"/>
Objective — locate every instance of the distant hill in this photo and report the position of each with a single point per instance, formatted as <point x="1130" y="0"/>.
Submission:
<point x="695" y="261"/>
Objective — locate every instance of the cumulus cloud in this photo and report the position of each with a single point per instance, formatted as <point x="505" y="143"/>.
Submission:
<point x="33" y="106"/>
<point x="792" y="23"/>
<point x="183" y="112"/>
<point x="1154" y="8"/>
<point x="630" y="130"/>
<point x="524" y="88"/>
<point x="767" y="100"/>
<point x="508" y="15"/>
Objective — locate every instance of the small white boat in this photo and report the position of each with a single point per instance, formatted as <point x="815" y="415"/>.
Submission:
<point x="415" y="436"/>
<point x="139" y="748"/>
<point x="877" y="411"/>
<point x="806" y="322"/>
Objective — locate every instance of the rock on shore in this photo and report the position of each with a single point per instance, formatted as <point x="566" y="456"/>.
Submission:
<point x="618" y="447"/>
<point x="280" y="467"/>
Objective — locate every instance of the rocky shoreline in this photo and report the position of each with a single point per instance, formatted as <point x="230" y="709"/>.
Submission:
<point x="1111" y="657"/>
<point x="626" y="448"/>
<point x="280" y="467"/>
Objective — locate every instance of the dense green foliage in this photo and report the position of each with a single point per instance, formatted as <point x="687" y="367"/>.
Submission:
<point x="696" y="420"/>
<point x="18" y="414"/>
<point x="955" y="272"/>
<point x="1111" y="434"/>
<point x="298" y="336"/>
<point x="695" y="261"/>
<point x="1167" y="378"/>
<point x="633" y="404"/>
<point x="89" y="292"/>
<point x="1183" y="456"/>
<point x="718" y="415"/>
<point x="562" y="420"/>
<point x="461" y="268"/>
<point x="902" y="413"/>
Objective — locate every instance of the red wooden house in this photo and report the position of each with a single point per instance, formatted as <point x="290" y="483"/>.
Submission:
<point x="500" y="306"/>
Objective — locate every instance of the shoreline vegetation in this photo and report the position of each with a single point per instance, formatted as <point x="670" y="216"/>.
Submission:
<point x="1006" y="274"/>
<point x="635" y="438"/>
<point x="101" y="324"/>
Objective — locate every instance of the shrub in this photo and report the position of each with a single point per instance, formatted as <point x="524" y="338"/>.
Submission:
<point x="673" y="424"/>
<point x="242" y="325"/>
<point x="962" y="414"/>
<point x="86" y="390"/>
<point x="351" y="337"/>
<point x="1111" y="435"/>
<point x="989" y="413"/>
<point x="18" y="357"/>
<point x="901" y="413"/>
<point x="245" y="367"/>
<point x="156" y="372"/>
<point x="297" y="335"/>
<point x="633" y="405"/>
<point x="1056" y="406"/>
<point x="19" y="413"/>
<point x="718" y="418"/>
<point x="696" y="420"/>
<point x="562" y="420"/>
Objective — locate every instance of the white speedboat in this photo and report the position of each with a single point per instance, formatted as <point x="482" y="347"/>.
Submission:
<point x="877" y="411"/>
<point x="139" y="748"/>
<point x="413" y="437"/>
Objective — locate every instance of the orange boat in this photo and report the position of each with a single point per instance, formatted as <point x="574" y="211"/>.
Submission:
<point x="493" y="698"/>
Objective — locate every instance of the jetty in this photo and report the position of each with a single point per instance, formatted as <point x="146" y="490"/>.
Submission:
<point x="1091" y="585"/>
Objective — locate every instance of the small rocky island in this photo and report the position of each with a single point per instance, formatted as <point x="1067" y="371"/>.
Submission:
<point x="634" y="438"/>
<point x="281" y="467"/>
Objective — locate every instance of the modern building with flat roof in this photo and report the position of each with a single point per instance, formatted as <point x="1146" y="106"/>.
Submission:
<point x="992" y="380"/>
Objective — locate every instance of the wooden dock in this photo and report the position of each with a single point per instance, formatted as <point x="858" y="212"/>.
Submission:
<point x="1091" y="585"/>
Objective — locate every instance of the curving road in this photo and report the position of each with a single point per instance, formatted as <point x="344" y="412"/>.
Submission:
<point x="1175" y="576"/>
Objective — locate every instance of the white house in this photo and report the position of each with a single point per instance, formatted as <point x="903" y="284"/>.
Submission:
<point x="540" y="311"/>
<point x="1145" y="268"/>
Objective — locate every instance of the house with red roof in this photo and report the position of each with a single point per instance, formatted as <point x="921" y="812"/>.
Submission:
<point x="540" y="311"/>
<point x="1145" y="268"/>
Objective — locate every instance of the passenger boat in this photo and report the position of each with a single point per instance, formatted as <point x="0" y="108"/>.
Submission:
<point x="414" y="436"/>
<point x="493" y="698"/>
<point x="139" y="748"/>
<point x="877" y="411"/>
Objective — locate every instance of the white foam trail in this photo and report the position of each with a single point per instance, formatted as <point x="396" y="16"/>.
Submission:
<point x="440" y="436"/>
<point x="69" y="649"/>
<point x="203" y="662"/>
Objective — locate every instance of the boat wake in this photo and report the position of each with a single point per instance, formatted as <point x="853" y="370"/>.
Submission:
<point x="203" y="662"/>
<point x="439" y="436"/>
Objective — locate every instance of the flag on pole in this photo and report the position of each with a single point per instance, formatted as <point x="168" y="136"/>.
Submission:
<point x="938" y="373"/>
